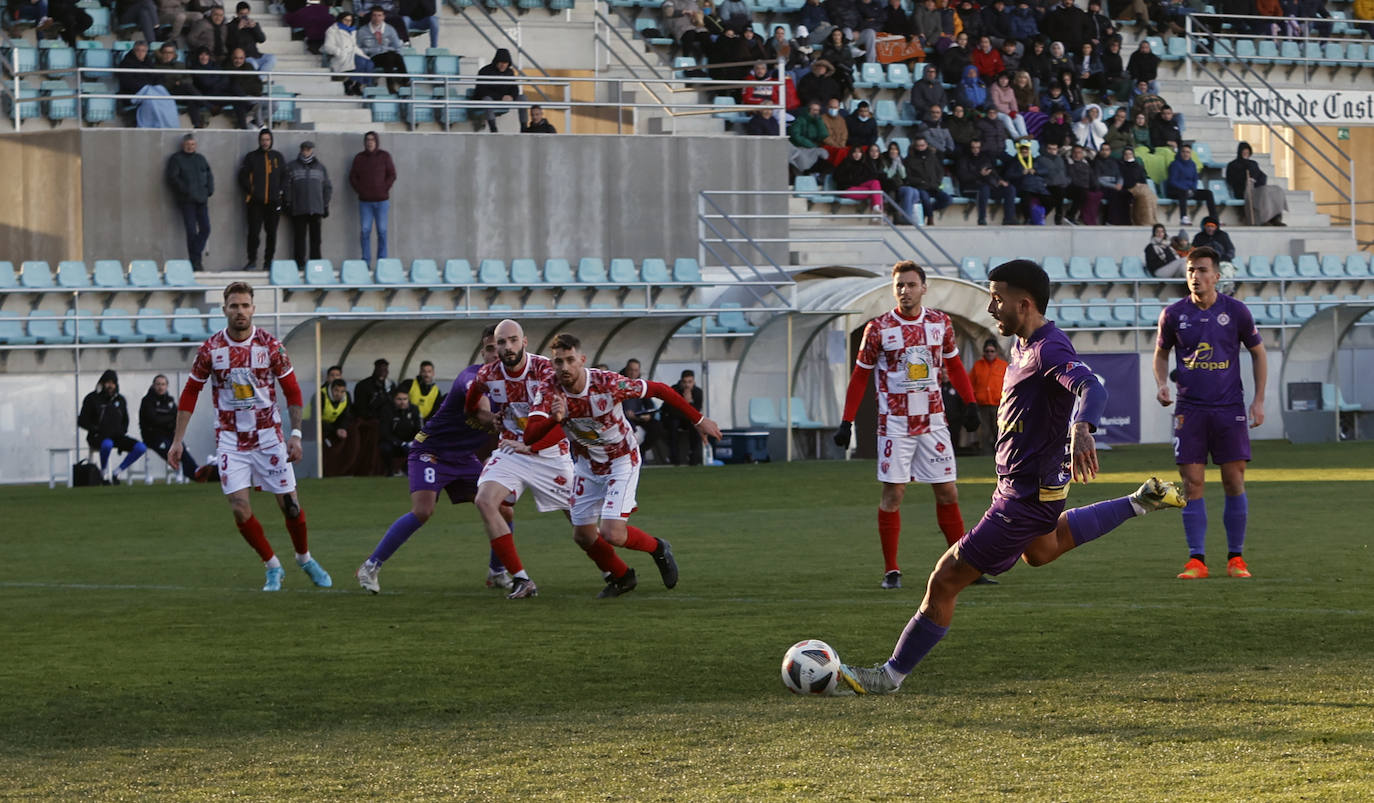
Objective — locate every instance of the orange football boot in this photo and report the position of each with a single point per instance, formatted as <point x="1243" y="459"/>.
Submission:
<point x="1194" y="569"/>
<point x="1235" y="567"/>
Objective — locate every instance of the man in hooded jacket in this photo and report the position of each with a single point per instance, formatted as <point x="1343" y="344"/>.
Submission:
<point x="371" y="177"/>
<point x="261" y="177"/>
<point x="105" y="417"/>
<point x="500" y="66"/>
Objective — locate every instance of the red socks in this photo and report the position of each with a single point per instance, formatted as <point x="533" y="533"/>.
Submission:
<point x="296" y="527"/>
<point x="889" y="532"/>
<point x="504" y="547"/>
<point x="603" y="555"/>
<point x="639" y="540"/>
<point x="252" y="533"/>
<point x="951" y="521"/>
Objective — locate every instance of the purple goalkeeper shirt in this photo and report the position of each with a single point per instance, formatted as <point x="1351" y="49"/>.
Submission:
<point x="447" y="430"/>
<point x="1206" y="344"/>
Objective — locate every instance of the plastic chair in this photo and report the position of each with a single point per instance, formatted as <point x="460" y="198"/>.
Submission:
<point x="591" y="270"/>
<point x="45" y="327"/>
<point x="731" y="316"/>
<point x="354" y="272"/>
<point x="151" y="325"/>
<point x="557" y="272"/>
<point x="493" y="272"/>
<point x="120" y="330"/>
<point x="1133" y="268"/>
<point x="1099" y="312"/>
<point x="458" y="271"/>
<point x="1284" y="267"/>
<point x="763" y="413"/>
<point x="654" y="271"/>
<point x="1054" y="266"/>
<point x="186" y="326"/>
<point x="12" y="331"/>
<point x="320" y="273"/>
<point x="623" y="271"/>
<point x="35" y="275"/>
<point x="871" y="76"/>
<point x="284" y="272"/>
<point x="1308" y="267"/>
<point x="729" y="116"/>
<point x="524" y="271"/>
<point x="1080" y="268"/>
<point x="179" y="273"/>
<point x="898" y="76"/>
<point x="1105" y="268"/>
<point x="144" y="273"/>
<point x="72" y="273"/>
<point x="973" y="269"/>
<point x="423" y="272"/>
<point x="390" y="271"/>
<point x="686" y="269"/>
<point x="441" y="62"/>
<point x="109" y="273"/>
<point x="86" y="327"/>
<point x="1357" y="265"/>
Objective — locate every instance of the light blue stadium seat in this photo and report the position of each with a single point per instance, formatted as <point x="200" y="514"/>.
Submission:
<point x="424" y="272"/>
<point x="1289" y="53"/>
<point x="1133" y="268"/>
<point x="12" y="330"/>
<point x="590" y="270"/>
<point x="179" y="273"/>
<point x="1054" y="266"/>
<point x="800" y="418"/>
<point x="682" y="64"/>
<point x="64" y="108"/>
<point x="1105" y="268"/>
<point x="1259" y="311"/>
<point x="35" y="275"/>
<point x="119" y="330"/>
<point x="1245" y="50"/>
<point x="152" y="326"/>
<point x="458" y="271"/>
<point x="973" y="269"/>
<point x="1284" y="267"/>
<point x="623" y="271"/>
<point x="1177" y="49"/>
<point x="1308" y="267"/>
<point x="763" y="413"/>
<point x="1357" y="265"/>
<point x="1080" y="268"/>
<point x="1266" y="50"/>
<point x="390" y="271"/>
<point x="284" y="272"/>
<point x="732" y="115"/>
<point x="1260" y="267"/>
<point x="1070" y="314"/>
<point x="354" y="272"/>
<point x="558" y="272"/>
<point x="187" y="326"/>
<point x="1312" y="53"/>
<point x="1328" y="300"/>
<point x="1304" y="307"/>
<point x="441" y="62"/>
<point x="1333" y="267"/>
<point x="46" y="327"/>
<point x="1355" y="55"/>
<point x="525" y="272"/>
<point x="888" y="113"/>
<point x="100" y="21"/>
<point x="8" y="278"/>
<point x="87" y="327"/>
<point x="871" y="76"/>
<point x="493" y="273"/>
<point x="320" y="273"/>
<point x="898" y="76"/>
<point x="1334" y="54"/>
<point x="686" y="269"/>
<point x="646" y="22"/>
<point x="72" y="273"/>
<point x="414" y="60"/>
<point x="1099" y="312"/>
<point x="808" y="188"/>
<point x="1221" y="191"/>
<point x="364" y="309"/>
<point x="1123" y="312"/>
<point x="144" y="273"/>
<point x="1149" y="311"/>
<point x="655" y="271"/>
<point x="731" y="316"/>
<point x="398" y="308"/>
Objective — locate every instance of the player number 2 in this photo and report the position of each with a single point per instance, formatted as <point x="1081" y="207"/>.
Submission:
<point x="429" y="474"/>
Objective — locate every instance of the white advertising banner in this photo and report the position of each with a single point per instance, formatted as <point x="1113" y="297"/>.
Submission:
<point x="1319" y="106"/>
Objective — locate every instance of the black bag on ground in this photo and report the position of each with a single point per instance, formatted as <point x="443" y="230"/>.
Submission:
<point x="85" y="473"/>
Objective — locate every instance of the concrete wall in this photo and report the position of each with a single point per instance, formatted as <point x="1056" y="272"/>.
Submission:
<point x="40" y="198"/>
<point x="472" y="196"/>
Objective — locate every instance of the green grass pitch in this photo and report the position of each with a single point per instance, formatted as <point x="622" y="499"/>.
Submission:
<point x="138" y="659"/>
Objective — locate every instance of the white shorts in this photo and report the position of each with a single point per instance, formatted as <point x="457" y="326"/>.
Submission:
<point x="604" y="496"/>
<point x="549" y="477"/>
<point x="928" y="457"/>
<point x="265" y="469"/>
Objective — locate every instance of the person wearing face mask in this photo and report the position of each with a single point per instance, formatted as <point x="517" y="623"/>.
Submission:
<point x="863" y="129"/>
<point x="1144" y="204"/>
<point x="837" y="133"/>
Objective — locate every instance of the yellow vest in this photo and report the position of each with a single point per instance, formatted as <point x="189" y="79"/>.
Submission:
<point x="332" y="411"/>
<point x="423" y="402"/>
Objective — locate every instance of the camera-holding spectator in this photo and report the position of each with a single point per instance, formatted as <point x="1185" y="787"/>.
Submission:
<point x="179" y="83"/>
<point x="306" y="192"/>
<point x="976" y="172"/>
<point x="371" y="177"/>
<point x="246" y="34"/>
<point x="539" y="124"/>
<point x="924" y="174"/>
<point x="261" y="177"/>
<point x="1211" y="235"/>
<point x="1264" y="203"/>
<point x="341" y="46"/>
<point x="506" y="90"/>
<point x="372" y="393"/>
<point x="315" y="19"/>
<point x="421" y="15"/>
<point x="246" y="84"/>
<point x="381" y="44"/>
<point x="105" y="417"/>
<point x="678" y="427"/>
<point x="142" y="13"/>
<point x="1144" y="204"/>
<point x="1050" y="166"/>
<point x="424" y="394"/>
<point x="157" y="421"/>
<point x="212" y="33"/>
<point x="192" y="183"/>
<point x="397" y="428"/>
<point x="1182" y="185"/>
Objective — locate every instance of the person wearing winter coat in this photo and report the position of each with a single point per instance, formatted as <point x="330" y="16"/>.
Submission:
<point x="1084" y="196"/>
<point x="858" y="178"/>
<point x="315" y="20"/>
<point x="1057" y="130"/>
<point x="1144" y="204"/>
<point x="381" y="44"/>
<point x="105" y="417"/>
<point x="1182" y="185"/>
<point x="157" y="419"/>
<point x="1003" y="98"/>
<point x="960" y="127"/>
<point x="991" y="132"/>
<point x="1090" y="131"/>
<point x="211" y="32"/>
<point x="262" y="177"/>
<point x="341" y="46"/>
<point x="937" y="134"/>
<point x="925" y="173"/>
<point x="1165" y="130"/>
<point x="1143" y="65"/>
<point x="1119" y="134"/>
<point x="371" y="176"/>
<point x="1264" y="203"/>
<point x="807" y="134"/>
<point x="188" y="174"/>
<point x="819" y="85"/>
<point x="862" y="128"/>
<point x="928" y="91"/>
<point x="307" y="193"/>
<point x="955" y="60"/>
<point x="978" y="178"/>
<point x="987" y="61"/>
<point x="1211" y="234"/>
<point x="1113" y="187"/>
<point x="971" y="91"/>
<point x="1050" y="166"/>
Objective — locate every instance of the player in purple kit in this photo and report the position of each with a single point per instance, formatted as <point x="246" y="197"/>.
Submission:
<point x="447" y="454"/>
<point x="1206" y="331"/>
<point x="1037" y="456"/>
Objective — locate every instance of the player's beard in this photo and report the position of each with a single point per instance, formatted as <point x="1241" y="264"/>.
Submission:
<point x="240" y="332"/>
<point x="513" y="362"/>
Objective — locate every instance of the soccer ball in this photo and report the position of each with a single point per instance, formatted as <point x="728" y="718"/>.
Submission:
<point x="810" y="667"/>
<point x="1226" y="281"/>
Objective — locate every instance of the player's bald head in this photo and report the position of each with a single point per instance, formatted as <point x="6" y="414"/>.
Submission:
<point x="509" y="328"/>
<point x="510" y="343"/>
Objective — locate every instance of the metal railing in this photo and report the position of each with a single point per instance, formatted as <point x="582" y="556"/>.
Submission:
<point x="1202" y="29"/>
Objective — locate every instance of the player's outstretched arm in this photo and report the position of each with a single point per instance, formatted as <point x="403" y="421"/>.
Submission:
<point x="704" y="425"/>
<point x="1161" y="369"/>
<point x="853" y="395"/>
<point x="1260" y="360"/>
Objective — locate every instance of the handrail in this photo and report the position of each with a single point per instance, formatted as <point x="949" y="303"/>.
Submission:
<point x="463" y="12"/>
<point x="704" y="197"/>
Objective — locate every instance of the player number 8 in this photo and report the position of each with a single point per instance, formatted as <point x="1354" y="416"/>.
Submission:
<point x="887" y="448"/>
<point x="429" y="474"/>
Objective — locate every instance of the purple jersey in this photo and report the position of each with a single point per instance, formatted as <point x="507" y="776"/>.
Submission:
<point x="1043" y="380"/>
<point x="1207" y="349"/>
<point x="447" y="430"/>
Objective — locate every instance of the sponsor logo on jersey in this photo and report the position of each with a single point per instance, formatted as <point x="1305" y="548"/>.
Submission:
<point x="274" y="460"/>
<point x="1200" y="359"/>
<point x="427" y="458"/>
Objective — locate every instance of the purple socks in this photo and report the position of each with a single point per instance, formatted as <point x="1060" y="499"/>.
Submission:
<point x="1195" y="526"/>
<point x="918" y="638"/>
<point x="1098" y="519"/>
<point x="1234" y="515"/>
<point x="400" y="530"/>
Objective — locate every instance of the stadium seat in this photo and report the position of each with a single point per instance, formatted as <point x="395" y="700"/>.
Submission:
<point x="871" y="76"/>
<point x="1105" y="268"/>
<point x="1070" y="314"/>
<point x="1149" y="311"/>
<point x="83" y="327"/>
<point x="1054" y="266"/>
<point x="646" y="22"/>
<point x="64" y="108"/>
<point x="1080" y="269"/>
<point x="1304" y="307"/>
<point x="179" y="273"/>
<point x="1099" y="312"/>
<point x="972" y="269"/>
<point x="119" y="329"/>
<point x="1221" y="191"/>
<point x="1334" y="53"/>
<point x="441" y="62"/>
<point x="320" y="273"/>
<point x="144" y="273"/>
<point x="152" y="325"/>
<point x="1357" y="265"/>
<point x="623" y="271"/>
<point x="424" y="272"/>
<point x="1133" y="268"/>
<point x="682" y="64"/>
<point x="808" y="188"/>
<point x="364" y="309"/>
<point x="458" y="271"/>
<point x="493" y="273"/>
<point x="1123" y="312"/>
<point x="187" y="326"/>
<point x="35" y="275"/>
<point x="898" y="76"/>
<point x="72" y="273"/>
<point x="1284" y="267"/>
<point x="1333" y="267"/>
<point x="284" y="272"/>
<point x="8" y="279"/>
<point x="1259" y="310"/>
<point x="654" y="271"/>
<point x="591" y="270"/>
<point x="12" y="330"/>
<point x="732" y="115"/>
<point x="390" y="271"/>
<point x="354" y="272"/>
<point x="1266" y="50"/>
<point x="45" y="327"/>
<point x="100" y="21"/>
<point x="1355" y="55"/>
<point x="800" y="418"/>
<point x="731" y="316"/>
<point x="686" y="269"/>
<point x="1260" y="267"/>
<point x="763" y="413"/>
<point x="1177" y="49"/>
<point x="525" y="272"/>
<point x="109" y="273"/>
<point x="1308" y="267"/>
<point x="558" y="272"/>
<point x="1289" y="53"/>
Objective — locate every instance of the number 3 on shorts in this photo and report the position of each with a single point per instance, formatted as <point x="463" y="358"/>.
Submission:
<point x="429" y="475"/>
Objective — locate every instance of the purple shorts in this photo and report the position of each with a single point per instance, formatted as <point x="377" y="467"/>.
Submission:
<point x="1224" y="433"/>
<point x="430" y="472"/>
<point x="996" y="542"/>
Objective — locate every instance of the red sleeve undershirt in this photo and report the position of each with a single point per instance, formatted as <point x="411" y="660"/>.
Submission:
<point x="658" y="390"/>
<point x="291" y="388"/>
<point x="189" y="394"/>
<point x="541" y="431"/>
<point x="475" y="391"/>
<point x="858" y="382"/>
<point x="958" y="377"/>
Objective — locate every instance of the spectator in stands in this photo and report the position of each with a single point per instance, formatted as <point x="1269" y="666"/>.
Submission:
<point x="538" y="124"/>
<point x="840" y="58"/>
<point x="1028" y="102"/>
<point x="928" y="91"/>
<point x="777" y="46"/>
<point x="724" y="57"/>
<point x="1073" y="93"/>
<point x="1011" y="55"/>
<point x="643" y="416"/>
<point x="956" y="59"/>
<point x="734" y="14"/>
<point x="1144" y="204"/>
<point x="677" y="426"/>
<point x="192" y="183"/>
<point x="131" y="82"/>
<point x="381" y="44"/>
<point x="246" y="34"/>
<point x="1119" y="134"/>
<point x="976" y="172"/>
<point x="843" y="14"/>
<point x="1036" y="61"/>
<point x="421" y="15"/>
<point x="1116" y="82"/>
<point x="1166" y="258"/>
<point x="897" y="21"/>
<point x="1088" y="68"/>
<point x="1100" y="25"/>
<point x="1050" y="166"/>
<point x="501" y="67"/>
<point x="371" y="177"/>
<point x="1145" y="101"/>
<point x="174" y="13"/>
<point x="987" y="60"/>
<point x="960" y="128"/>
<point x="872" y="15"/>
<point x="1068" y="24"/>
<point x="1003" y="98"/>
<point x="925" y="173"/>
<point x="762" y="123"/>
<point x="207" y="82"/>
<point x="1168" y="17"/>
<point x="761" y="90"/>
<point x="72" y="20"/>
<point x="859" y="179"/>
<point x="1182" y="185"/>
<point x="157" y="420"/>
<point x="837" y="132"/>
<point x="971" y="91"/>
<point x="142" y="13"/>
<point x="816" y="20"/>
<point x="800" y="53"/>
<point x="373" y="393"/>
<point x="862" y="128"/>
<point x="179" y="82"/>
<point x="1140" y="133"/>
<point x="307" y="192"/>
<point x="1090" y="131"/>
<point x="1164" y="131"/>
<point x="261" y="175"/>
<point x="339" y="428"/>
<point x="752" y="46"/>
<point x="1059" y="61"/>
<point x="997" y="25"/>
<point x="1058" y="130"/>
<point x="211" y="32"/>
<point x="316" y="20"/>
<point x="991" y="132"/>
<point x="807" y="136"/>
<point x="247" y="85"/>
<point x="682" y="20"/>
<point x="1264" y="203"/>
<point x="1084" y="197"/>
<point x="1053" y="98"/>
<point x="971" y="19"/>
<point x="936" y="133"/>
<point x="341" y="45"/>
<point x="925" y="23"/>
<point x="1113" y="186"/>
<point x="1212" y="235"/>
<point x="987" y="375"/>
<point x="894" y="181"/>
<point x="105" y="417"/>
<point x="1143" y="65"/>
<point x="425" y="396"/>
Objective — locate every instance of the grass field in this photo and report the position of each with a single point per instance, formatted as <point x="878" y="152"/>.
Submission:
<point x="138" y="660"/>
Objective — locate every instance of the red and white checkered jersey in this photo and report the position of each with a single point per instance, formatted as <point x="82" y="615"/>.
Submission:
<point x="595" y="421"/>
<point x="512" y="397"/>
<point x="243" y="380"/>
<point x="906" y="355"/>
